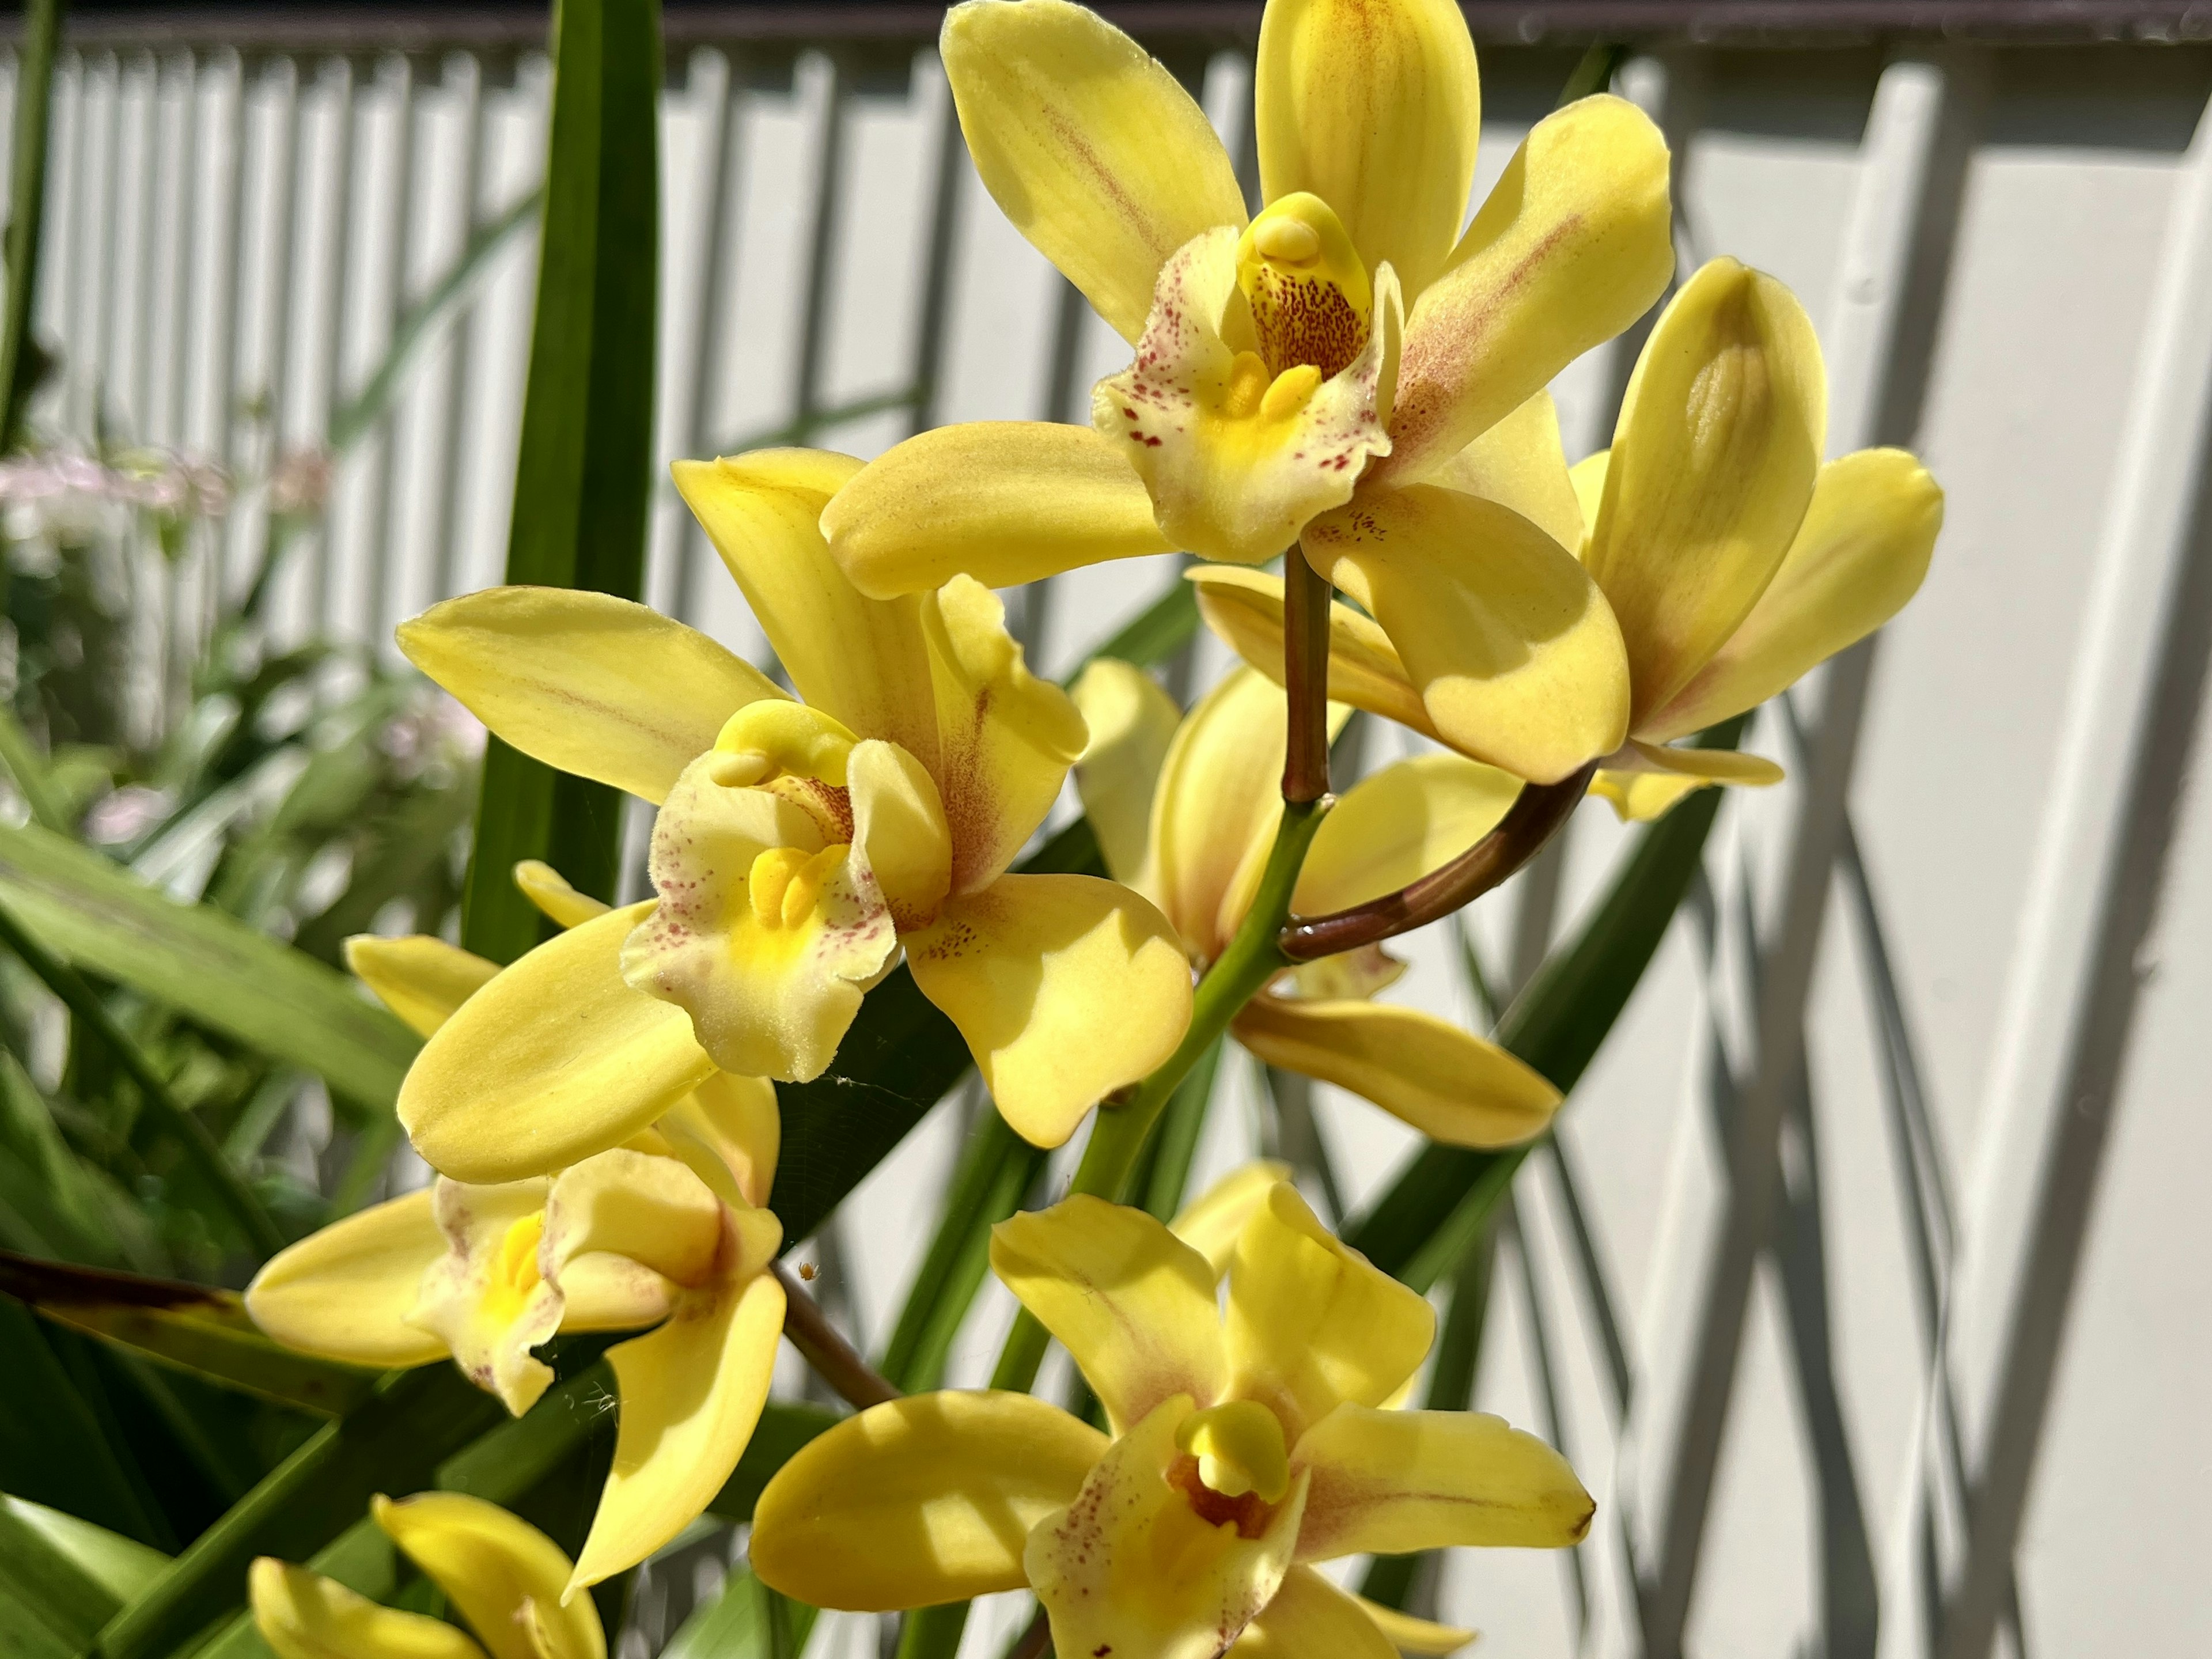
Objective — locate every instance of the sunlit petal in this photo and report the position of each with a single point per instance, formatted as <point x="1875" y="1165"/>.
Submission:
<point x="1092" y="149"/>
<point x="1236" y="459"/>
<point x="1244" y="608"/>
<point x="593" y="684"/>
<point x="1397" y="824"/>
<point x="1520" y="464"/>
<point x="691" y="1392"/>
<point x="1517" y="656"/>
<point x="1712" y="466"/>
<point x="1131" y="721"/>
<point x="304" y="1616"/>
<point x="1066" y="988"/>
<point x="1131" y="1567"/>
<point x="1210" y="1223"/>
<point x="1215" y="810"/>
<point x="1397" y="1482"/>
<point x="728" y="1130"/>
<point x="1643" y="780"/>
<point x="1006" y="739"/>
<point x="1861" y="553"/>
<point x="764" y="937"/>
<point x="1450" y="1085"/>
<point x="860" y="660"/>
<point x="1004" y="501"/>
<point x="1311" y="1618"/>
<point x="501" y="1574"/>
<point x="923" y="1500"/>
<point x="1376" y="109"/>
<point x="549" y="890"/>
<point x="1574" y="243"/>
<point x="555" y="1060"/>
<point x="420" y="978"/>
<point x="345" y="1292"/>
<point x="1312" y="1322"/>
<point x="900" y="836"/>
<point x="653" y="1211"/>
<point x="1133" y="1304"/>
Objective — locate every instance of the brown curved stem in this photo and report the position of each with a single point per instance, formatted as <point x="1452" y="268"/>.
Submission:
<point x="823" y="1346"/>
<point x="1538" y="811"/>
<point x="1305" y="678"/>
<point x="1034" y="1642"/>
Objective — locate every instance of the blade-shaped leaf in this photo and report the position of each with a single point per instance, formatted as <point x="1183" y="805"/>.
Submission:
<point x="192" y="1326"/>
<point x="207" y="965"/>
<point x="65" y="1576"/>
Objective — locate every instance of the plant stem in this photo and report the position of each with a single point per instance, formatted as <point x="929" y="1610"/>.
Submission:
<point x="1535" y="814"/>
<point x="823" y="1346"/>
<point x="199" y="1146"/>
<point x="1252" y="959"/>
<point x="1305" y="679"/>
<point x="34" y="91"/>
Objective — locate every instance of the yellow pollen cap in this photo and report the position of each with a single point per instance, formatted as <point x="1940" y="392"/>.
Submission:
<point x="1239" y="1448"/>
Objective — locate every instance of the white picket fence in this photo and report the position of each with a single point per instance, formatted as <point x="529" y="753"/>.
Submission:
<point x="1867" y="1290"/>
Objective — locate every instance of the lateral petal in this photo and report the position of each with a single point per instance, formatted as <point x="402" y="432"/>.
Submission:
<point x="691" y="1392"/>
<point x="1131" y="721"/>
<point x="1092" y="148"/>
<point x="1393" y="1482"/>
<point x="1210" y="1223"/>
<point x="1573" y="244"/>
<point x="1130" y="1567"/>
<point x="304" y="1616"/>
<point x="1712" y="467"/>
<point x="1376" y="109"/>
<point x="729" y="1130"/>
<point x="549" y="890"/>
<point x="1450" y="1085"/>
<point x="919" y="1501"/>
<point x="1006" y="739"/>
<point x="1410" y="1635"/>
<point x="595" y="685"/>
<point x="900" y="836"/>
<point x="1312" y="1322"/>
<point x="1004" y="501"/>
<point x="1133" y="1304"/>
<point x="1396" y="825"/>
<point x="1066" y="988"/>
<point x="1520" y="463"/>
<point x="420" y="978"/>
<point x="1516" y="653"/>
<point x="652" y="1210"/>
<point x="1311" y="1618"/>
<point x="1644" y="780"/>
<point x="1862" y="551"/>
<point x="1215" y="812"/>
<point x="556" y="1058"/>
<point x="501" y="1573"/>
<point x="344" y="1291"/>
<point x="1245" y="609"/>
<point x="1236" y="460"/>
<point x="862" y="661"/>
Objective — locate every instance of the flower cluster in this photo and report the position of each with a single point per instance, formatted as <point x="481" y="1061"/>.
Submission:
<point x="1353" y="378"/>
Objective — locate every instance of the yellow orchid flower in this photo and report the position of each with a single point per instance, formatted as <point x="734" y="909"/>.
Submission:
<point x="666" y="1231"/>
<point x="1322" y="374"/>
<point x="1733" y="558"/>
<point x="1244" y="1446"/>
<point x="507" y="1579"/>
<point x="799" y="847"/>
<point x="1187" y="813"/>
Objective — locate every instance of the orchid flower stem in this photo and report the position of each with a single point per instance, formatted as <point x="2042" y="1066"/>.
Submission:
<point x="1305" y="679"/>
<point x="1034" y="1641"/>
<point x="823" y="1346"/>
<point x="1119" y="1135"/>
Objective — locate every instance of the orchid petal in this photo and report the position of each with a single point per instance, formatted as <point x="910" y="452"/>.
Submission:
<point x="1393" y="1482"/>
<point x="589" y="683"/>
<point x="1089" y="145"/>
<point x="1311" y="1618"/>
<point x="304" y="1616"/>
<point x="501" y="1573"/>
<point x="1376" y="109"/>
<point x="1396" y="825"/>
<point x="486" y="1296"/>
<point x="1517" y="658"/>
<point x="1004" y="501"/>
<point x="556" y="1058"/>
<point x="1312" y="1322"/>
<point x="1210" y="1223"/>
<point x="1066" y="988"/>
<point x="1133" y="1304"/>
<point x="549" y="890"/>
<point x="1644" y="780"/>
<point x="1520" y="463"/>
<point x="729" y="1130"/>
<point x="1244" y="608"/>
<point x="420" y="978"/>
<point x="1132" y="723"/>
<point x="345" y="1290"/>
<point x="1451" y="1085"/>
<point x="920" y="1501"/>
<point x="900" y="836"/>
<point x="1574" y="243"/>
<point x="1712" y="466"/>
<point x="1215" y="810"/>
